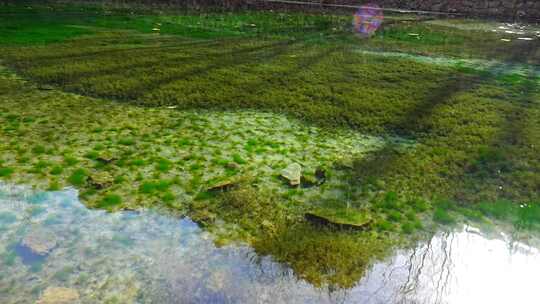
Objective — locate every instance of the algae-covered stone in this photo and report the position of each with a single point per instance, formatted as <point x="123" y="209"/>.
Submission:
<point x="101" y="180"/>
<point x="225" y="185"/>
<point x="340" y="218"/>
<point x="59" y="295"/>
<point x="39" y="242"/>
<point x="293" y="174"/>
<point x="106" y="157"/>
<point x="232" y="166"/>
<point x="45" y="87"/>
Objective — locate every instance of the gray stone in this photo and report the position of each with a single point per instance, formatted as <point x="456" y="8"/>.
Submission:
<point x="293" y="174"/>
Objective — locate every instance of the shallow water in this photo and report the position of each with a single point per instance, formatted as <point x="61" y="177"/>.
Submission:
<point x="146" y="257"/>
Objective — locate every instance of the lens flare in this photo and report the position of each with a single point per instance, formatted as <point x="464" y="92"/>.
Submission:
<point x="367" y="19"/>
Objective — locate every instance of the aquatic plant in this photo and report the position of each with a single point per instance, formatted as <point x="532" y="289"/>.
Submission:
<point x="78" y="177"/>
<point x="6" y="171"/>
<point x="163" y="165"/>
<point x="323" y="257"/>
<point x="442" y="216"/>
<point x="457" y="122"/>
<point x="237" y="158"/>
<point x="110" y="200"/>
<point x="38" y="149"/>
<point x="500" y="209"/>
<point x="408" y="227"/>
<point x="57" y="170"/>
<point x="151" y="187"/>
<point x="70" y="160"/>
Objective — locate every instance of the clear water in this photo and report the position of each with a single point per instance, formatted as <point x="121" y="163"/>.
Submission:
<point x="146" y="257"/>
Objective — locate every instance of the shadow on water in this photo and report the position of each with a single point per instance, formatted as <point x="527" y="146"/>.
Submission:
<point x="509" y="137"/>
<point x="27" y="256"/>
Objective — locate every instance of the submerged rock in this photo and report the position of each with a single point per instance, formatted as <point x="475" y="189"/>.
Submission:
<point x="101" y="180"/>
<point x="232" y="166"/>
<point x="222" y="186"/>
<point x="106" y="158"/>
<point x="293" y="174"/>
<point x="330" y="220"/>
<point x="39" y="242"/>
<point x="59" y="295"/>
<point x="45" y="87"/>
<point x="308" y="181"/>
<point x="320" y="175"/>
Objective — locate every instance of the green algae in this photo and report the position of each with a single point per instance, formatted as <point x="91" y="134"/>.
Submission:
<point x="164" y="174"/>
<point x="6" y="171"/>
<point x="78" y="177"/>
<point x="444" y="217"/>
<point x="455" y="116"/>
<point x="375" y="105"/>
<point x="306" y="249"/>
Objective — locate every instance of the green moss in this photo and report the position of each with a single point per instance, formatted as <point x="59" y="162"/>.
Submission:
<point x="163" y="165"/>
<point x="442" y="216"/>
<point x="395" y="216"/>
<point x="390" y="201"/>
<point x="419" y="205"/>
<point x="468" y="132"/>
<point x="138" y="162"/>
<point x="239" y="159"/>
<point x="184" y="142"/>
<point x="501" y="209"/>
<point x="323" y="257"/>
<point x="92" y="155"/>
<point x="126" y="141"/>
<point x="78" y="177"/>
<point x="110" y="200"/>
<point x="205" y="195"/>
<point x="57" y="170"/>
<point x="38" y="150"/>
<point x="70" y="161"/>
<point x="40" y="165"/>
<point x="471" y="214"/>
<point x="151" y="187"/>
<point x="338" y="214"/>
<point x="528" y="216"/>
<point x="168" y="197"/>
<point x="54" y="185"/>
<point x="6" y="171"/>
<point x="408" y="227"/>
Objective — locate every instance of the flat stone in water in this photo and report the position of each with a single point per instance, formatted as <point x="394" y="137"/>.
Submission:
<point x="336" y="222"/>
<point x="222" y="186"/>
<point x="101" y="180"/>
<point x="39" y="242"/>
<point x="293" y="174"/>
<point x="59" y="295"/>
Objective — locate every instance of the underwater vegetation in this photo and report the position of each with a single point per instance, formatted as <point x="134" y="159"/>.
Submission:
<point x="203" y="121"/>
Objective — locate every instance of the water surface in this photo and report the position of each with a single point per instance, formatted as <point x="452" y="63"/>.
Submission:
<point x="147" y="257"/>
